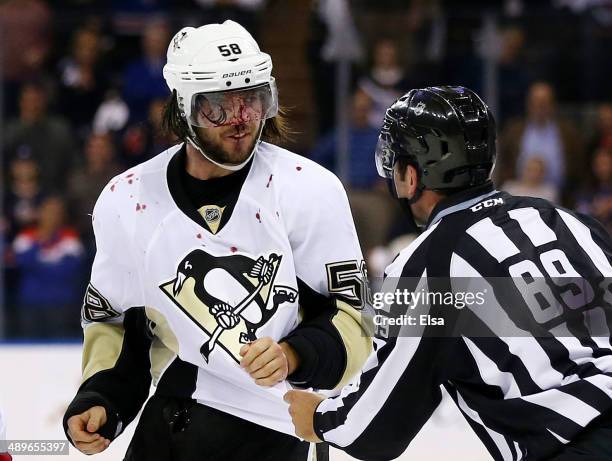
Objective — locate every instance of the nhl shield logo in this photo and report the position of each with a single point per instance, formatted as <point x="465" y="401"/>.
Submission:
<point x="228" y="297"/>
<point x="419" y="108"/>
<point x="212" y="216"/>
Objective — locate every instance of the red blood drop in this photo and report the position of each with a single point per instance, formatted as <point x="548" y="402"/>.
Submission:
<point x="113" y="188"/>
<point x="269" y="181"/>
<point x="199" y="236"/>
<point x="130" y="181"/>
<point x="144" y="206"/>
<point x="299" y="168"/>
<point x="138" y="207"/>
<point x="130" y="175"/>
<point x="233" y="249"/>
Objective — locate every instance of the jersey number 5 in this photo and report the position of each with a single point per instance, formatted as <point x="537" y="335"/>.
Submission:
<point x="349" y="281"/>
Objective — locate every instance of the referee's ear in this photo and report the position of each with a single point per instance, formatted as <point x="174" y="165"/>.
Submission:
<point x="406" y="180"/>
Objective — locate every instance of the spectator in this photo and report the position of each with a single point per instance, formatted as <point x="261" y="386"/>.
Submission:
<point x="22" y="197"/>
<point x="603" y="134"/>
<point x="82" y="80"/>
<point x="512" y="71"/>
<point x="368" y="195"/>
<point x="542" y="133"/>
<point x="48" y="138"/>
<point x="87" y="182"/>
<point x="513" y="77"/>
<point x="142" y="139"/>
<point x="143" y="79"/>
<point x="24" y="46"/>
<point x="532" y="183"/>
<point x="112" y="115"/>
<point x="244" y="12"/>
<point x="596" y="198"/>
<point x="49" y="257"/>
<point x="24" y="193"/>
<point x="333" y="38"/>
<point x="139" y="7"/>
<point x="384" y="82"/>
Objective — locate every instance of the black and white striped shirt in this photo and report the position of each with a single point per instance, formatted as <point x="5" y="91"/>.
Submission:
<point x="527" y="389"/>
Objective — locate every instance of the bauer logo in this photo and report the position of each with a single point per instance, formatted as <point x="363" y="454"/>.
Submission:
<point x="236" y="74"/>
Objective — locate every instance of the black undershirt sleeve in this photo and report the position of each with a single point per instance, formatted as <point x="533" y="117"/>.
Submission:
<point x="123" y="389"/>
<point x="317" y="342"/>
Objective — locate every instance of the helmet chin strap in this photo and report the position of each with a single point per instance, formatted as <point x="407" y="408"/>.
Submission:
<point x="193" y="141"/>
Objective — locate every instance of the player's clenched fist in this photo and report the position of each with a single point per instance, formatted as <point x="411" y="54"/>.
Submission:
<point x="83" y="429"/>
<point x="267" y="361"/>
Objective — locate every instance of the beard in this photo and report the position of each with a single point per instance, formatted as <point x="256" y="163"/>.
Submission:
<point x="217" y="152"/>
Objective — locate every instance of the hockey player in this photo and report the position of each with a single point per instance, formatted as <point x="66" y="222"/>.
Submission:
<point x="530" y="368"/>
<point x="4" y="455"/>
<point x="227" y="268"/>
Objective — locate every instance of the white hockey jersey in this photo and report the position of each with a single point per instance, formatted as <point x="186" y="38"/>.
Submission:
<point x="291" y="223"/>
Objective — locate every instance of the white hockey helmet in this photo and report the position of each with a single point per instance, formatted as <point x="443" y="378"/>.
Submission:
<point x="211" y="68"/>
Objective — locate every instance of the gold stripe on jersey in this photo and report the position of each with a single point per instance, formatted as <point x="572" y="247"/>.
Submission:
<point x="357" y="343"/>
<point x="102" y="347"/>
<point x="164" y="346"/>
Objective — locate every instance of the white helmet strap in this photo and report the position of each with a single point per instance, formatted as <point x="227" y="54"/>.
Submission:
<point x="193" y="141"/>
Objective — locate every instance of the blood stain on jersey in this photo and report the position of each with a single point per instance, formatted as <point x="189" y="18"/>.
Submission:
<point x="130" y="181"/>
<point x="129" y="175"/>
<point x="199" y="236"/>
<point x="299" y="168"/>
<point x="228" y="297"/>
<point x="269" y="180"/>
<point x="258" y="216"/>
<point x="233" y="249"/>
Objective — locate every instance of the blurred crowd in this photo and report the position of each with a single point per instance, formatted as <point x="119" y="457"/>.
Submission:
<point x="83" y="94"/>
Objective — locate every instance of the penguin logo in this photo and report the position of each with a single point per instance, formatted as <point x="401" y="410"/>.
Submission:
<point x="228" y="297"/>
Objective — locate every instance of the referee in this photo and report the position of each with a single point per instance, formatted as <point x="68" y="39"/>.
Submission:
<point x="530" y="368"/>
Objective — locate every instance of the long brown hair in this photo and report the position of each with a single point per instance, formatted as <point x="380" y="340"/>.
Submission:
<point x="276" y="129"/>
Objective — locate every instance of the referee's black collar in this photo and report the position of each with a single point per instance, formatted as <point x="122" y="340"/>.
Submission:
<point x="460" y="201"/>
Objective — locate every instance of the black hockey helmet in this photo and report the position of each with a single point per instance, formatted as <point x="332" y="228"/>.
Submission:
<point x="446" y="132"/>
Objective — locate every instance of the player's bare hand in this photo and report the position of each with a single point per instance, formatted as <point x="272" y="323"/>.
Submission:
<point x="83" y="429"/>
<point x="302" y="406"/>
<point x="266" y="361"/>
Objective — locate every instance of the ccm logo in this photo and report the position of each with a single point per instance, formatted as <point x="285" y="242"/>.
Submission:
<point x="236" y="74"/>
<point x="487" y="204"/>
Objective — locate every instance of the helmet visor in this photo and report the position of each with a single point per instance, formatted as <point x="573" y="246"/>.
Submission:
<point x="234" y="107"/>
<point x="385" y="156"/>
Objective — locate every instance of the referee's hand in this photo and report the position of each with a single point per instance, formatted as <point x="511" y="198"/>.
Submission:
<point x="302" y="406"/>
<point x="83" y="429"/>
